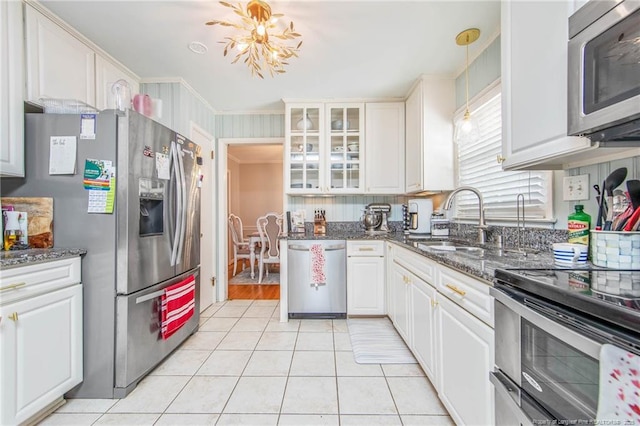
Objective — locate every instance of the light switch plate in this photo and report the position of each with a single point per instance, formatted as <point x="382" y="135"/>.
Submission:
<point x="575" y="188"/>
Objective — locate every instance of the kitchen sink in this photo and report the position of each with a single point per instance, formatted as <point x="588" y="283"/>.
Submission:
<point x="443" y="246"/>
<point x="463" y="248"/>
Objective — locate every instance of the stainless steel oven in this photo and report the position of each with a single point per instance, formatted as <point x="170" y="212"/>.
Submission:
<point x="604" y="70"/>
<point x="549" y="329"/>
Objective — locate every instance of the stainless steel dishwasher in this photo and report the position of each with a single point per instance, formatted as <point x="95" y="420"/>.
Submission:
<point x="317" y="300"/>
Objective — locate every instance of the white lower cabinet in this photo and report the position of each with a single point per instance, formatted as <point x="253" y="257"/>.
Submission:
<point x="423" y="324"/>
<point x="40" y="344"/>
<point x="465" y="356"/>
<point x="365" y="286"/>
<point x="445" y="318"/>
<point x="400" y="296"/>
<point x="365" y="278"/>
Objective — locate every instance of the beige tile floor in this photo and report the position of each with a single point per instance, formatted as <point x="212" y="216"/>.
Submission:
<point x="244" y="367"/>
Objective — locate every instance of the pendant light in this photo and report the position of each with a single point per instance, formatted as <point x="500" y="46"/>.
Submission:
<point x="467" y="129"/>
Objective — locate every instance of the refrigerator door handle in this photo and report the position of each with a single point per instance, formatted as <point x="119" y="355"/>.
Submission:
<point x="178" y="220"/>
<point x="182" y="210"/>
<point x="149" y="296"/>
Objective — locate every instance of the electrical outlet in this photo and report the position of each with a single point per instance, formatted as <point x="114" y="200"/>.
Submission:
<point x="575" y="188"/>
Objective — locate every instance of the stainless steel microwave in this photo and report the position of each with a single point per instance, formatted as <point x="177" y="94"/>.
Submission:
<point x="604" y="71"/>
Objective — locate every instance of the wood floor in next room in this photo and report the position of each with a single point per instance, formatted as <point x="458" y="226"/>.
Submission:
<point x="251" y="291"/>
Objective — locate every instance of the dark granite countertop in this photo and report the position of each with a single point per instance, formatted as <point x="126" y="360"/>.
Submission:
<point x="11" y="259"/>
<point x="479" y="266"/>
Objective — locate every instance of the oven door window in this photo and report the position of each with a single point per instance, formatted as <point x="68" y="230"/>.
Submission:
<point x="559" y="377"/>
<point x="612" y="65"/>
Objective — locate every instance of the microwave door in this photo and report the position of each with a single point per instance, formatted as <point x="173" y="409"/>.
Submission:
<point x="603" y="69"/>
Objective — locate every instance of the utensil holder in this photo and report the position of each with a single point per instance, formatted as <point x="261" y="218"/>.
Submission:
<point x="613" y="249"/>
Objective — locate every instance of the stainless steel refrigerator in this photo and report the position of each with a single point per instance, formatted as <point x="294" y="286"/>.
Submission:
<point x="149" y="242"/>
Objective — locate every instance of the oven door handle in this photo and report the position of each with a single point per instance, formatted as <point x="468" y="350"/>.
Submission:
<point x="578" y="340"/>
<point x="511" y="395"/>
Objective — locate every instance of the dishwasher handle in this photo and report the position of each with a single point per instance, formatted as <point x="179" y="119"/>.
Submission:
<point x="298" y="247"/>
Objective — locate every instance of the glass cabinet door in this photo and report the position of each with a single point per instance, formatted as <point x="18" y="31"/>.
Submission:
<point x="345" y="151"/>
<point x="305" y="152"/>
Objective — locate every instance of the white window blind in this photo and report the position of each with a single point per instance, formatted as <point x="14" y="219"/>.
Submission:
<point x="478" y="167"/>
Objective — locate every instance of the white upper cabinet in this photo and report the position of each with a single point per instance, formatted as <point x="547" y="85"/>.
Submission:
<point x="11" y="90"/>
<point x="108" y="73"/>
<point x="384" y="159"/>
<point x="345" y="147"/>
<point x="324" y="148"/>
<point x="429" y="135"/>
<point x="534" y="86"/>
<point x="62" y="64"/>
<point x="59" y="65"/>
<point x="304" y="149"/>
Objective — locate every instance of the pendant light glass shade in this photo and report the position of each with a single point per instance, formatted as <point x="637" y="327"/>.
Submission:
<point x="467" y="130"/>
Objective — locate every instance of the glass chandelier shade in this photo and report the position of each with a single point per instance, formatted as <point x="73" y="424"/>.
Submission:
<point x="259" y="40"/>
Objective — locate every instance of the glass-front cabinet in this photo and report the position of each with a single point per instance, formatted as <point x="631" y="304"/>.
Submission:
<point x="304" y="132"/>
<point x="345" y="124"/>
<point x="324" y="148"/>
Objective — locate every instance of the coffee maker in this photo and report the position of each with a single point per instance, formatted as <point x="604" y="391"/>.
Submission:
<point x="420" y="210"/>
<point x="382" y="209"/>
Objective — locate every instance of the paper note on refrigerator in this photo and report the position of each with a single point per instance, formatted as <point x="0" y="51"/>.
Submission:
<point x="102" y="201"/>
<point x="62" y="155"/>
<point x="162" y="166"/>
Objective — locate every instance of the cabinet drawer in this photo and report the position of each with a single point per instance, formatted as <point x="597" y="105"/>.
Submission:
<point x="365" y="248"/>
<point x="419" y="265"/>
<point x="28" y="281"/>
<point x="470" y="293"/>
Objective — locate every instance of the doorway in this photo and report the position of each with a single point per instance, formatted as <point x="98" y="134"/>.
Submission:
<point x="250" y="184"/>
<point x="207" y="248"/>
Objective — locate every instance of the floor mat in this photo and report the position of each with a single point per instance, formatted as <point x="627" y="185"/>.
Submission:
<point x="244" y="277"/>
<point x="376" y="341"/>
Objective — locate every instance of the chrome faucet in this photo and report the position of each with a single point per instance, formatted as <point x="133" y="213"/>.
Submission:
<point x="482" y="226"/>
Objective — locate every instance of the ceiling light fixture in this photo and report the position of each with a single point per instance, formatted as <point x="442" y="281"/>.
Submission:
<point x="467" y="129"/>
<point x="260" y="42"/>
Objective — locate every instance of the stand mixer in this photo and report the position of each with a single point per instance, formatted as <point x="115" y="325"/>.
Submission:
<point x="375" y="217"/>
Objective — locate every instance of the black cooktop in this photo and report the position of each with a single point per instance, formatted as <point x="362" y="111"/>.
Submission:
<point x="611" y="295"/>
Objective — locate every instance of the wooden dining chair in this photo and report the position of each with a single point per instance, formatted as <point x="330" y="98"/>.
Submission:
<point x="269" y="228"/>
<point x="240" y="245"/>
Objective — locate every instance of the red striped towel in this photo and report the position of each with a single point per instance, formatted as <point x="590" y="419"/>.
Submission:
<point x="318" y="275"/>
<point x="178" y="304"/>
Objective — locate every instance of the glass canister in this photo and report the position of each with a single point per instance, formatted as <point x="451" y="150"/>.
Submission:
<point x="439" y="225"/>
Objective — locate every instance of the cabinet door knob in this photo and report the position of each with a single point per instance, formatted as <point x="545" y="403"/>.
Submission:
<point x="434" y="303"/>
<point x="500" y="159"/>
<point x="13" y="316"/>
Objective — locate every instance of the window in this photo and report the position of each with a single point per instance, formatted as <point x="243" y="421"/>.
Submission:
<point x="478" y="167"/>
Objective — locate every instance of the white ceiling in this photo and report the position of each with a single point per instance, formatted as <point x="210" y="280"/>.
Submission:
<point x="363" y="49"/>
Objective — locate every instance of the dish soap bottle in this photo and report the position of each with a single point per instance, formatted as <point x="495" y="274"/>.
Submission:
<point x="579" y="224"/>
